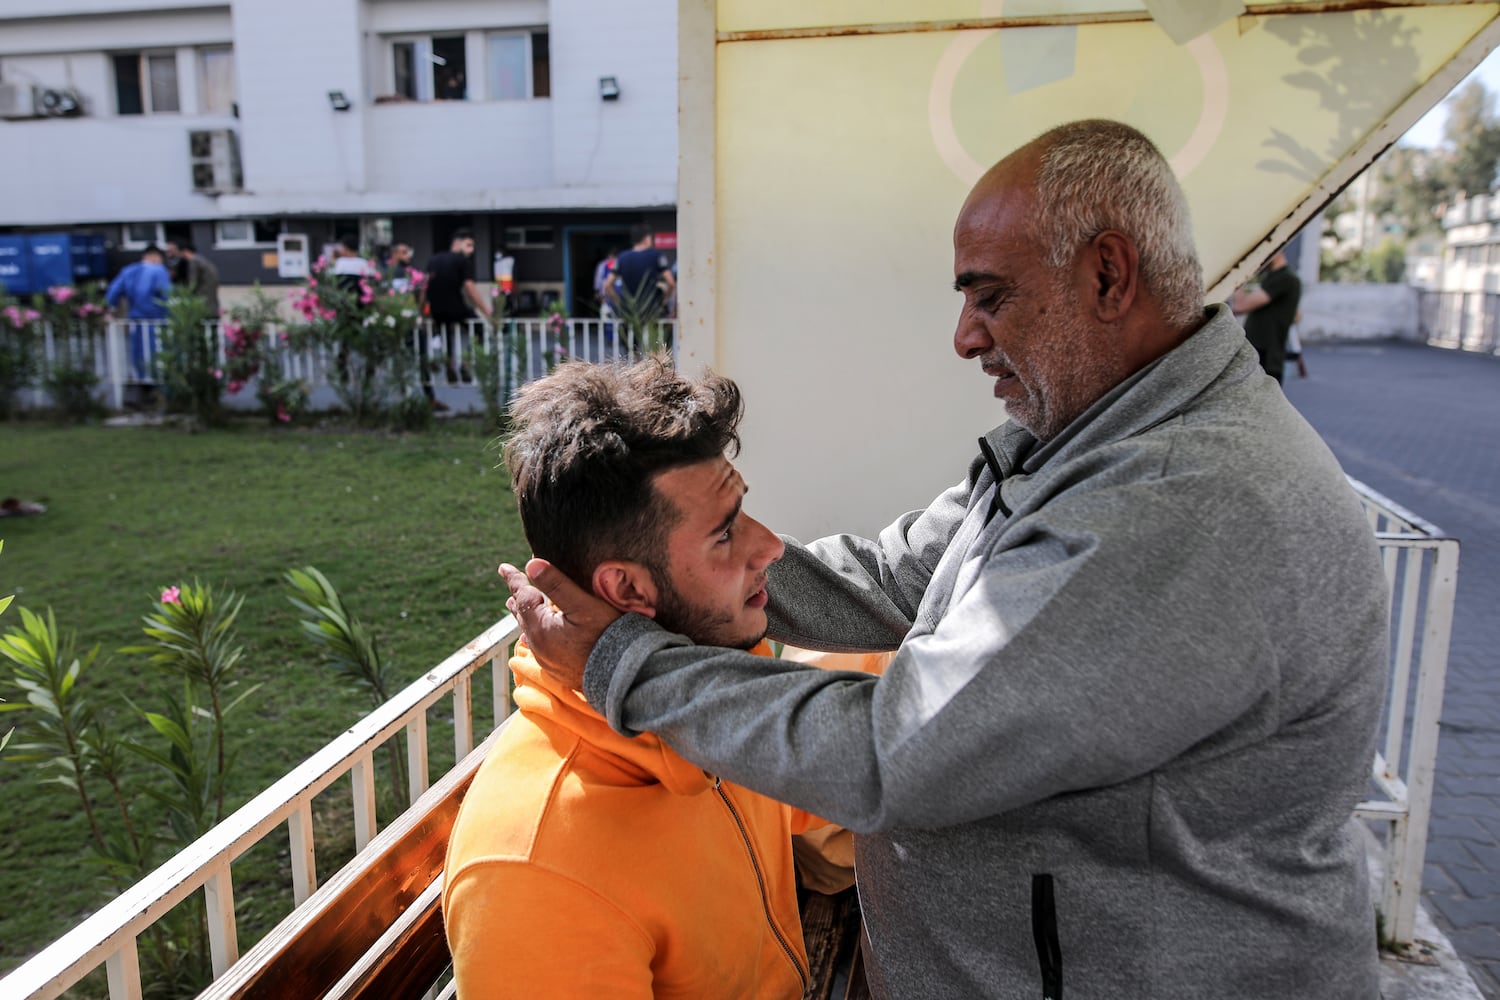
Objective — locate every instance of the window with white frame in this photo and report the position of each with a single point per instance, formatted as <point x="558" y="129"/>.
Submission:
<point x="140" y="235"/>
<point x="216" y="80"/>
<point x="430" y="68"/>
<point x="517" y="66"/>
<point x="245" y="233"/>
<point x="146" y="83"/>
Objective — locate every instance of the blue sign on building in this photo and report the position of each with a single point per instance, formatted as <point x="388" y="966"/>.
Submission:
<point x="36" y="263"/>
<point x="15" y="265"/>
<point x="51" y="260"/>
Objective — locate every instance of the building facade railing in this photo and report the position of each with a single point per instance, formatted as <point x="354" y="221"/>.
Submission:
<point x="1468" y="321"/>
<point x="123" y="354"/>
<point x="1421" y="565"/>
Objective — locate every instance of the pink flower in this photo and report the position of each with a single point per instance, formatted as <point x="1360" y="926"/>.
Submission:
<point x="235" y="386"/>
<point x="31" y="315"/>
<point x="219" y="374"/>
<point x="282" y="415"/>
<point x="171" y="596"/>
<point x="61" y="293"/>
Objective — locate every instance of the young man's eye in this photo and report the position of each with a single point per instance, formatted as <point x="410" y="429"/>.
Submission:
<point x="728" y="533"/>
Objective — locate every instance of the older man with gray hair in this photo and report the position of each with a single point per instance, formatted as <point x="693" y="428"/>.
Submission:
<point x="1141" y="643"/>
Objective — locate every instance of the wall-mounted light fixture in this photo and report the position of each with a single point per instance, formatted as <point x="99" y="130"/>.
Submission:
<point x="337" y="101"/>
<point x="609" y="88"/>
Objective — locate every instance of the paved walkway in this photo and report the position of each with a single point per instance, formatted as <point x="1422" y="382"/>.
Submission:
<point x="1422" y="426"/>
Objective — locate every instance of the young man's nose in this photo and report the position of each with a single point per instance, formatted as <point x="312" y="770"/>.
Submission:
<point x="769" y="546"/>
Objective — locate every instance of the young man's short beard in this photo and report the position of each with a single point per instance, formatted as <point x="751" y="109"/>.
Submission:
<point x="702" y="625"/>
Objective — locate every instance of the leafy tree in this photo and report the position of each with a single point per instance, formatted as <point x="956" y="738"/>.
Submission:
<point x="1387" y="262"/>
<point x="1410" y="185"/>
<point x="1471" y="135"/>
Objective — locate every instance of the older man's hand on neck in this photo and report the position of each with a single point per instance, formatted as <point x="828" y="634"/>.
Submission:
<point x="561" y="620"/>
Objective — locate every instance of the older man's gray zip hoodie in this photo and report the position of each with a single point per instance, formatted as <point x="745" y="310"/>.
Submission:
<point x="1133" y="707"/>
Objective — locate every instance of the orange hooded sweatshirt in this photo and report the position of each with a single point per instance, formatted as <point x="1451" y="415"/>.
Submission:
<point x="587" y="864"/>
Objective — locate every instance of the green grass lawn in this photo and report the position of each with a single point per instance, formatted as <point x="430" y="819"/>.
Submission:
<point x="408" y="528"/>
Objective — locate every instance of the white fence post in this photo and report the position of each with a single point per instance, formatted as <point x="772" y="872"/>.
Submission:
<point x="223" y="941"/>
<point x="1412" y="551"/>
<point x="304" y="852"/>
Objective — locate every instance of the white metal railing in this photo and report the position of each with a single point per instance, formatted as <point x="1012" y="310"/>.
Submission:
<point x="1469" y="321"/>
<point x="109" y="937"/>
<point x="124" y="352"/>
<point x="1421" y="567"/>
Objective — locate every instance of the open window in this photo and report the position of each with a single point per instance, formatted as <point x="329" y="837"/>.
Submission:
<point x="516" y="65"/>
<point x="146" y="83"/>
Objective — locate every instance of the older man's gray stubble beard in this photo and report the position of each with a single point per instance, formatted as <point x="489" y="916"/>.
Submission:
<point x="1076" y="372"/>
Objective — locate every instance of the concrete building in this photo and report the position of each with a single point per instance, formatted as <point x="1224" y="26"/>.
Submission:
<point x="546" y="126"/>
<point x="1465" y="310"/>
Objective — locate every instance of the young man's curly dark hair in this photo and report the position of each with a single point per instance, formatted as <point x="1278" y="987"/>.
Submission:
<point x="587" y="444"/>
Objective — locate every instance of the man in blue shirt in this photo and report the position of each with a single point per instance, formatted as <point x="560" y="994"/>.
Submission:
<point x="642" y="281"/>
<point x="145" y="286"/>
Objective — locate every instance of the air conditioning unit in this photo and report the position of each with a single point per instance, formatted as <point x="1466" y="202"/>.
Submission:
<point x="59" y="103"/>
<point x="22" y="100"/>
<point x="18" y="100"/>
<point x="214" y="156"/>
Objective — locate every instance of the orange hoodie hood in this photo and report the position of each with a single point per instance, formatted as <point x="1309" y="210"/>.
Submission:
<point x="643" y="759"/>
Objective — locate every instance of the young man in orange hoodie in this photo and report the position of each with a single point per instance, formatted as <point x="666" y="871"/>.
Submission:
<point x="585" y="863"/>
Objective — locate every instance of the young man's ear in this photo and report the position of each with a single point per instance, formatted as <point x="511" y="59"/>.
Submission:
<point x="626" y="586"/>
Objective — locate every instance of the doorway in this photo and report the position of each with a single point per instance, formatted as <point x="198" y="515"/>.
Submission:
<point x="583" y="249"/>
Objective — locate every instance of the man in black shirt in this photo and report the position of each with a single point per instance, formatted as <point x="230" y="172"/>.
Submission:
<point x="451" y="298"/>
<point x="1271" y="309"/>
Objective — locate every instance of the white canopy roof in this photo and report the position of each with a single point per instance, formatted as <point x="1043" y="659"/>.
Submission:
<point x="827" y="145"/>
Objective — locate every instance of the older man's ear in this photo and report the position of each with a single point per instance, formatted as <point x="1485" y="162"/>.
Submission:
<point x="626" y="586"/>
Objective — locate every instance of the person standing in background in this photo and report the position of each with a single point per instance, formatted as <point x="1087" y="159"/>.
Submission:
<point x="145" y="287"/>
<point x="196" y="273"/>
<point x="1269" y="309"/>
<point x="452" y="297"/>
